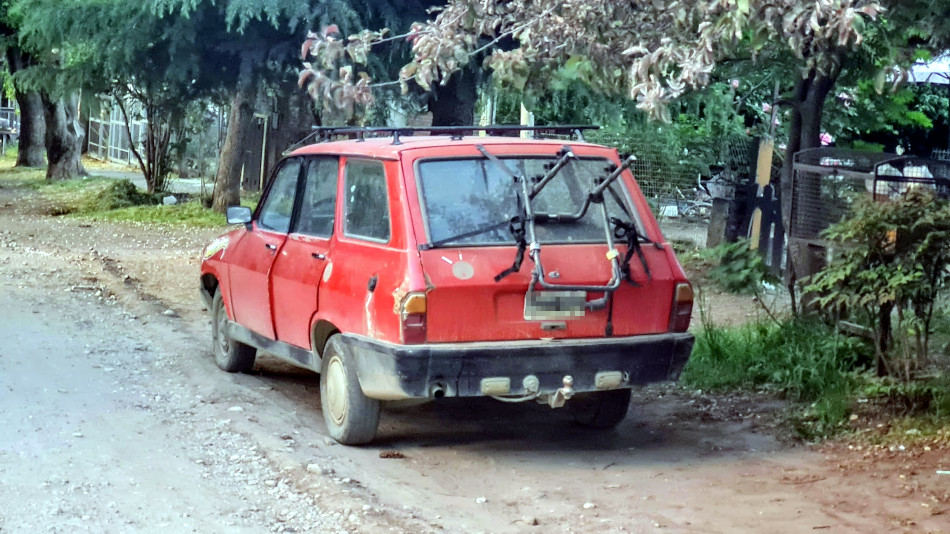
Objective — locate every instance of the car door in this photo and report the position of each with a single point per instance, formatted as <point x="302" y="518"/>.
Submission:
<point x="299" y="267"/>
<point x="369" y="255"/>
<point x="253" y="255"/>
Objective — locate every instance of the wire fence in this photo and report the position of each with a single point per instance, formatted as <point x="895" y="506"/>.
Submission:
<point x="680" y="185"/>
<point x="109" y="138"/>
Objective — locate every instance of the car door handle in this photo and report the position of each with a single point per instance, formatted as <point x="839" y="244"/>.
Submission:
<point x="270" y="246"/>
<point x="318" y="256"/>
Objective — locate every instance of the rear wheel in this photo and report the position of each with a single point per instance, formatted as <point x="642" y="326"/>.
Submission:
<point x="351" y="417"/>
<point x="231" y="356"/>
<point x="600" y="409"/>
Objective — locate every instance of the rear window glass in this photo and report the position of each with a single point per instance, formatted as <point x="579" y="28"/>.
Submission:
<point x="366" y="212"/>
<point x="462" y="196"/>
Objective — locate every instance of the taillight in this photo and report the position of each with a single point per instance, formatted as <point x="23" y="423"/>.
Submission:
<point x="413" y="317"/>
<point x="682" y="308"/>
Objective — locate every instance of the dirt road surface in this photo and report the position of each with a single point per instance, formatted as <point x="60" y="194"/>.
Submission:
<point x="113" y="418"/>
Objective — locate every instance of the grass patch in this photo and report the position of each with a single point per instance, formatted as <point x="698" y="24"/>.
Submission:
<point x="11" y="176"/>
<point x="806" y="361"/>
<point x="191" y="214"/>
<point x="104" y="199"/>
<point x="823" y="373"/>
<point x="83" y="195"/>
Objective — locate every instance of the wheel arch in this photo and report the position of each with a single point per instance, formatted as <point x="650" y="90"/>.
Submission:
<point x="209" y="283"/>
<point x="319" y="334"/>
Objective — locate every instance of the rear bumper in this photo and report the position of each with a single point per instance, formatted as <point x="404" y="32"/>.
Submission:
<point x="391" y="372"/>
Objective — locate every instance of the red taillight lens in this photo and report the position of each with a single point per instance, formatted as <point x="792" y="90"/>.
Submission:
<point x="682" y="308"/>
<point x="413" y="319"/>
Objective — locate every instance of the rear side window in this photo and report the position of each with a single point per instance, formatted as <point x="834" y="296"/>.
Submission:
<point x="318" y="208"/>
<point x="278" y="207"/>
<point x="366" y="211"/>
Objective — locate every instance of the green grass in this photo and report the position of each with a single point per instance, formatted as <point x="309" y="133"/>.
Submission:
<point x="824" y="374"/>
<point x="18" y="177"/>
<point x="191" y="214"/>
<point x="805" y="361"/>
<point x="104" y="199"/>
<point x="119" y="200"/>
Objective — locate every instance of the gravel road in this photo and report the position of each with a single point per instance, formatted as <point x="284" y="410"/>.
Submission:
<point x="113" y="418"/>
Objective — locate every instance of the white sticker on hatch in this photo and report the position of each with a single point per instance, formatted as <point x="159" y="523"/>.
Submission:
<point x="217" y="245"/>
<point x="463" y="270"/>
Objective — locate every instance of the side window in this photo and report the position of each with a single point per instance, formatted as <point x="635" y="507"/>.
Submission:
<point x="366" y="212"/>
<point x="278" y="207"/>
<point x="319" y="197"/>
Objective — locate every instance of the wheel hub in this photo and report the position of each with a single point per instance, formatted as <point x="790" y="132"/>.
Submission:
<point x="336" y="390"/>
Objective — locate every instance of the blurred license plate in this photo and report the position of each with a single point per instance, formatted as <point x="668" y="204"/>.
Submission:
<point x="544" y="305"/>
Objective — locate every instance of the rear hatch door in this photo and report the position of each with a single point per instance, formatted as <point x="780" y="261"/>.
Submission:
<point x="466" y="204"/>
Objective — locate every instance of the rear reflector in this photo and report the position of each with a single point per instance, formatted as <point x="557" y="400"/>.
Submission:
<point x="413" y="318"/>
<point x="682" y="308"/>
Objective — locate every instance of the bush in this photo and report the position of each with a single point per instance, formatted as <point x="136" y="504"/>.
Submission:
<point x="118" y="194"/>
<point x="737" y="268"/>
<point x="890" y="272"/>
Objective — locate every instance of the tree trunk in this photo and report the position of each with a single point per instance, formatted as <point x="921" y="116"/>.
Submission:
<point x="158" y="131"/>
<point x="32" y="144"/>
<point x="227" y="182"/>
<point x="295" y="120"/>
<point x="454" y="103"/>
<point x="64" y="138"/>
<point x="804" y="259"/>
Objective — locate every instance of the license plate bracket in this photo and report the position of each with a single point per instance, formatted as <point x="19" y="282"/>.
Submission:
<point x="547" y="305"/>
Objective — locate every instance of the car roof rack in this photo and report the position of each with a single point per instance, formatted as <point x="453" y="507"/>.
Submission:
<point x="456" y="132"/>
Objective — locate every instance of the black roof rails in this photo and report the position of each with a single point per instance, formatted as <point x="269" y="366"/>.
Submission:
<point x="457" y="132"/>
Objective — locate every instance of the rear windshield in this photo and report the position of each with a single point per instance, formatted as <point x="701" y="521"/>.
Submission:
<point x="466" y="195"/>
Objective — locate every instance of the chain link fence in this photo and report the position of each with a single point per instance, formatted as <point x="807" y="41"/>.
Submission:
<point x="679" y="184"/>
<point x="829" y="182"/>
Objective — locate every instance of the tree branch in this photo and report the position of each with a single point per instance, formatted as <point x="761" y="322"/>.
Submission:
<point x="128" y="128"/>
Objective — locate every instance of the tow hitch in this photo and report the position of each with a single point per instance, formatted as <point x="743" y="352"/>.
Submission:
<point x="497" y="387"/>
<point x="562" y="395"/>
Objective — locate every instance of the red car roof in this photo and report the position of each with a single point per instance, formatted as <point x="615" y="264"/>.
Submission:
<point x="383" y="147"/>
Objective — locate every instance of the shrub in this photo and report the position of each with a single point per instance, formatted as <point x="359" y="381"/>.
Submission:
<point x="119" y="194"/>
<point x="737" y="268"/>
<point x="890" y="270"/>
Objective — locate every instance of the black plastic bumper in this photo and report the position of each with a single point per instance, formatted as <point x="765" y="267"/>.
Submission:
<point x="388" y="371"/>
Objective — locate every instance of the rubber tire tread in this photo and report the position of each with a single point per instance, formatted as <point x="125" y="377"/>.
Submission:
<point x="608" y="410"/>
<point x="362" y="417"/>
<point x="240" y="357"/>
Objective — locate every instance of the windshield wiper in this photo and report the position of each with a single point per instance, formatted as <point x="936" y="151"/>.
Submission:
<point x="466" y="235"/>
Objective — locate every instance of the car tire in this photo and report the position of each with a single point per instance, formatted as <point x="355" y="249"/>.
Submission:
<point x="351" y="417"/>
<point x="231" y="356"/>
<point x="600" y="409"/>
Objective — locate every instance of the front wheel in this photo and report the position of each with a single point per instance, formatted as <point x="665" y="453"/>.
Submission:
<point x="351" y="417"/>
<point x="600" y="409"/>
<point x="231" y="356"/>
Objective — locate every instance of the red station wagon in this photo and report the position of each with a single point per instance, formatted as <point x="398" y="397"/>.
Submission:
<point x="420" y="267"/>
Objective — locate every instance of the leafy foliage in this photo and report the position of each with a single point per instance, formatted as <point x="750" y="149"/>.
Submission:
<point x="890" y="271"/>
<point x="738" y="269"/>
<point x="652" y="51"/>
